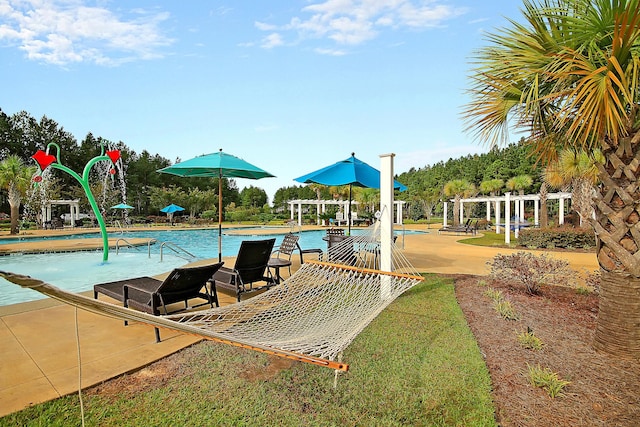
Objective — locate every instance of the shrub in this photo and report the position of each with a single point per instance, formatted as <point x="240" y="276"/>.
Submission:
<point x="493" y="294"/>
<point x="506" y="310"/>
<point x="527" y="339"/>
<point x="546" y="379"/>
<point x="557" y="237"/>
<point x="532" y="271"/>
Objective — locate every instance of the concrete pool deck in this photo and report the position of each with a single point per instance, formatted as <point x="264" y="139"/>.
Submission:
<point x="38" y="350"/>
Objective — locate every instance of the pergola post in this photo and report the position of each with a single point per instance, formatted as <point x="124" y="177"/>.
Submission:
<point x="498" y="203"/>
<point x="561" y="211"/>
<point x="507" y="217"/>
<point x="300" y="214"/>
<point x="444" y="216"/>
<point x="536" y="212"/>
<point x="517" y="219"/>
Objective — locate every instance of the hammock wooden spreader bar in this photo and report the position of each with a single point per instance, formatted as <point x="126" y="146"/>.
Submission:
<point x="123" y="313"/>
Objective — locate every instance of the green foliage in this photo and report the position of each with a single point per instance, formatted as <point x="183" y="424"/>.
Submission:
<point x="506" y="310"/>
<point x="557" y="237"/>
<point x="424" y="376"/>
<point x="531" y="271"/>
<point x="493" y="294"/>
<point x="529" y="340"/>
<point x="546" y="379"/>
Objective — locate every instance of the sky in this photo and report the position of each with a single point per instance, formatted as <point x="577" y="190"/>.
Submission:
<point x="289" y="86"/>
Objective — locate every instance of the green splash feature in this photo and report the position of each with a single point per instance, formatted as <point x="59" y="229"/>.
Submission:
<point x="45" y="160"/>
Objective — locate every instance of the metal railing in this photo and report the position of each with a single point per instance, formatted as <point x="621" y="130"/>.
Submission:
<point x="177" y="250"/>
<point x="128" y="244"/>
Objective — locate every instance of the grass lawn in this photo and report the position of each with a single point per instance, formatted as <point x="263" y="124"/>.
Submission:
<point x="489" y="238"/>
<point x="416" y="364"/>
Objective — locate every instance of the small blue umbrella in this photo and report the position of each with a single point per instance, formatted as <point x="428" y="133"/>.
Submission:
<point x="171" y="209"/>
<point x="122" y="206"/>
<point x="351" y="171"/>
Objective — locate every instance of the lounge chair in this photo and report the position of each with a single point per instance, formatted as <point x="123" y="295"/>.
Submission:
<point x="290" y="244"/>
<point x="250" y="268"/>
<point x="283" y="254"/>
<point x="470" y="226"/>
<point x="153" y="296"/>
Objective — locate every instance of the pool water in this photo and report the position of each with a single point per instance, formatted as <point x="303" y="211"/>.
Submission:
<point x="79" y="271"/>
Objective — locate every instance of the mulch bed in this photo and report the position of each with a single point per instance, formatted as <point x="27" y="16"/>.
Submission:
<point x="603" y="390"/>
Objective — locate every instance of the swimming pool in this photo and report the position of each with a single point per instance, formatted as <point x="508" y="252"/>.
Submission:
<point x="79" y="271"/>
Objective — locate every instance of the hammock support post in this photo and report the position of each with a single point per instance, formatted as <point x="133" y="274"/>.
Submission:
<point x="386" y="221"/>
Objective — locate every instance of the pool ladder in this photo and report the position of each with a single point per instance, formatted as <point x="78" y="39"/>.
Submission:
<point x="179" y="251"/>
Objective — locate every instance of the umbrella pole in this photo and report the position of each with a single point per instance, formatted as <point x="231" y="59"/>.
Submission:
<point x="220" y="217"/>
<point x="349" y="214"/>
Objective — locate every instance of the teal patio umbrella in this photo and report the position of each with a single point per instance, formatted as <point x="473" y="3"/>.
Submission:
<point x="122" y="206"/>
<point x="350" y="171"/>
<point x="171" y="209"/>
<point x="217" y="165"/>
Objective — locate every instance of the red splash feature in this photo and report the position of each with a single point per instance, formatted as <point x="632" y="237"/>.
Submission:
<point x="43" y="159"/>
<point x="114" y="155"/>
<point x="112" y="171"/>
<point x="37" y="178"/>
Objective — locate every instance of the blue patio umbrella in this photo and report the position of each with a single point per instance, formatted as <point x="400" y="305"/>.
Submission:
<point x="351" y="171"/>
<point x="217" y="165"/>
<point x="171" y="209"/>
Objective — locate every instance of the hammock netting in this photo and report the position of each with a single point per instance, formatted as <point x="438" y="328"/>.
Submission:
<point x="311" y="316"/>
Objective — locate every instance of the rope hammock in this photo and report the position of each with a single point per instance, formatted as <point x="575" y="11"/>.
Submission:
<point x="312" y="316"/>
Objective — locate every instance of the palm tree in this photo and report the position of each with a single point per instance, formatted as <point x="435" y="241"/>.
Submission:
<point x="579" y="169"/>
<point x="15" y="177"/>
<point x="491" y="186"/>
<point x="569" y="74"/>
<point x="458" y="188"/>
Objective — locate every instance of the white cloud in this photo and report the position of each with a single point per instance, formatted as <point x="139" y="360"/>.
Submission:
<point x="66" y="31"/>
<point x="330" y="52"/>
<point x="353" y="22"/>
<point x="272" y="40"/>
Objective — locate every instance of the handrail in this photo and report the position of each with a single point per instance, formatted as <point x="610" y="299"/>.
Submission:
<point x="176" y="249"/>
<point x="128" y="244"/>
<point x="131" y="245"/>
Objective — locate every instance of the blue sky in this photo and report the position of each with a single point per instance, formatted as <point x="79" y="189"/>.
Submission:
<point x="290" y="86"/>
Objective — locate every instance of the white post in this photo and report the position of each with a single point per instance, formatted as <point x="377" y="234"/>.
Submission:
<point x="516" y="214"/>
<point x="444" y="217"/>
<point x="561" y="212"/>
<point x="399" y="213"/>
<point x="536" y="212"/>
<point x="507" y="216"/>
<point x="498" y="203"/>
<point x="300" y="214"/>
<point x="488" y="210"/>
<point x="324" y="210"/>
<point x="291" y="208"/>
<point x="386" y="222"/>
<point x="461" y="212"/>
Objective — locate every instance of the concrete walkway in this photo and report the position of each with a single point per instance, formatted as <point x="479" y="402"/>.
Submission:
<point x="39" y="356"/>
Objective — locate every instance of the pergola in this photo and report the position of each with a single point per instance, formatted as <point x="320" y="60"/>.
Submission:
<point x="518" y="204"/>
<point x="321" y="207"/>
<point x="74" y="209"/>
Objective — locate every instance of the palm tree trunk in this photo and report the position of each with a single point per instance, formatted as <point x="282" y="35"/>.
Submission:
<point x="617" y="330"/>
<point x="617" y="227"/>
<point x="456" y="211"/>
<point x="15" y="215"/>
<point x="544" y="211"/>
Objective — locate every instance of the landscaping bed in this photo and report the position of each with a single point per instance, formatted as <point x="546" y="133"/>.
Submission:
<point x="603" y="390"/>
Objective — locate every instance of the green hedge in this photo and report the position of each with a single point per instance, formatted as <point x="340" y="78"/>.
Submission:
<point x="557" y="237"/>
